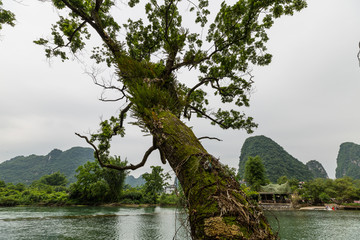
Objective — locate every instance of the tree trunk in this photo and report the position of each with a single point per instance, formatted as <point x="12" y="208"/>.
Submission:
<point x="217" y="208"/>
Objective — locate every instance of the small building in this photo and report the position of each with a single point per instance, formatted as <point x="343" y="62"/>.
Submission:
<point x="271" y="197"/>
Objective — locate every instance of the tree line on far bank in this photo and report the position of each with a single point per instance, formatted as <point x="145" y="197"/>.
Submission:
<point x="95" y="185"/>
<point x="344" y="190"/>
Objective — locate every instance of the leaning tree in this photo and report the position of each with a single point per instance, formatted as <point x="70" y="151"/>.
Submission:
<point x="147" y="54"/>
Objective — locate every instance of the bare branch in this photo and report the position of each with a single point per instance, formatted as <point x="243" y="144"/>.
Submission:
<point x="122" y="117"/>
<point x="211" y="138"/>
<point x="358" y="55"/>
<point x="107" y="85"/>
<point x="120" y="168"/>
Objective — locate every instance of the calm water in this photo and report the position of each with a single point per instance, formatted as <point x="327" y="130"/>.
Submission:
<point x="158" y="223"/>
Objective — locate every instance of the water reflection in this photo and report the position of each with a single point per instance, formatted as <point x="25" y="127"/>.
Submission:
<point x="113" y="223"/>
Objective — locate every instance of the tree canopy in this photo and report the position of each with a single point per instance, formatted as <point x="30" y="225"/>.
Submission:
<point x="155" y="49"/>
<point x="219" y="49"/>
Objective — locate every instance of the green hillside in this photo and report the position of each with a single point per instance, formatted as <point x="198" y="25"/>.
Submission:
<point x="317" y="169"/>
<point x="348" y="161"/>
<point x="134" y="182"/>
<point x="276" y="160"/>
<point x="27" y="169"/>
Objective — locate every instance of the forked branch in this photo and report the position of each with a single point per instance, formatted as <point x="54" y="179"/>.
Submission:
<point x="120" y="168"/>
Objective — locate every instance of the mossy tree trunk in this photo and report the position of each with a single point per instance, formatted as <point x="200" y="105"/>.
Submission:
<point x="217" y="208"/>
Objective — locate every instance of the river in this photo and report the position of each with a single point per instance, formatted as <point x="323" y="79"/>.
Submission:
<point x="109" y="223"/>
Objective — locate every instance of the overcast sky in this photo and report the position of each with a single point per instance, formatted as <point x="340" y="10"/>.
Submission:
<point x="307" y="99"/>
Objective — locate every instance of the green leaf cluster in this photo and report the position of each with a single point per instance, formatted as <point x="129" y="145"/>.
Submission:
<point x="6" y="16"/>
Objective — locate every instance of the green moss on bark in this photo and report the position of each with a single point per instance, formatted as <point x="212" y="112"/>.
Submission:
<point x="218" y="209"/>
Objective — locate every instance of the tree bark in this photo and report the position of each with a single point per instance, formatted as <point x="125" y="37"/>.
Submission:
<point x="217" y="208"/>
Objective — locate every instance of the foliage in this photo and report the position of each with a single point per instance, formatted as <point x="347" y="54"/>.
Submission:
<point x="55" y="179"/>
<point x="169" y="199"/>
<point x="38" y="193"/>
<point x="255" y="173"/>
<point x="96" y="184"/>
<point x="28" y="169"/>
<point x="234" y="42"/>
<point x="133" y="196"/>
<point x="316" y="169"/>
<point x="155" y="183"/>
<point x="6" y="16"/>
<point x="341" y="190"/>
<point x="348" y="161"/>
<point x="251" y="194"/>
<point x="276" y="160"/>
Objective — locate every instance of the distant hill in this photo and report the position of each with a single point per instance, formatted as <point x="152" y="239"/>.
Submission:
<point x="276" y="160"/>
<point x="28" y="169"/>
<point x="348" y="161"/>
<point x="317" y="169"/>
<point x="134" y="182"/>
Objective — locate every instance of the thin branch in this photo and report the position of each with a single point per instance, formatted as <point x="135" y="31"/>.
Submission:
<point x="71" y="37"/>
<point x="122" y="118"/>
<point x="75" y="31"/>
<point x="120" y="168"/>
<point x="211" y="138"/>
<point x="107" y="86"/>
<point x="209" y="117"/>
<point x="202" y="82"/>
<point x="358" y="55"/>
<point x="114" y="47"/>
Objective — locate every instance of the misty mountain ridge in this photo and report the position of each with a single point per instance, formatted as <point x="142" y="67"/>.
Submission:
<point x="26" y="169"/>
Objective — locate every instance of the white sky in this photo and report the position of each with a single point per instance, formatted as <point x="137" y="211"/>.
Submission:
<point x="306" y="100"/>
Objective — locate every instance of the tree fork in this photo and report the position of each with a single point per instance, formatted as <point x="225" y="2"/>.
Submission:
<point x="217" y="208"/>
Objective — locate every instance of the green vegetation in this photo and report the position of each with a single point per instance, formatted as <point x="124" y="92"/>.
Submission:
<point x="255" y="173"/>
<point x="28" y="169"/>
<point x="6" y="16"/>
<point x="341" y="190"/>
<point x="94" y="185"/>
<point x="49" y="190"/>
<point x="276" y="160"/>
<point x="316" y="169"/>
<point x="155" y="183"/>
<point x="98" y="185"/>
<point x="348" y="161"/>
